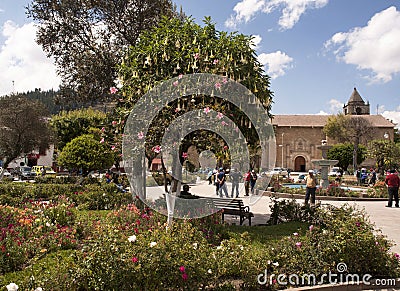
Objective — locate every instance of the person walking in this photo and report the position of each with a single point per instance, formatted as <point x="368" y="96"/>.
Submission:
<point x="311" y="187"/>
<point x="235" y="177"/>
<point x="392" y="182"/>
<point x="372" y="181"/>
<point x="209" y="177"/>
<point x="221" y="181"/>
<point x="247" y="182"/>
<point x="253" y="180"/>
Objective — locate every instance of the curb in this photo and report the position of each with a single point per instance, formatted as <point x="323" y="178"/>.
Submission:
<point x="331" y="198"/>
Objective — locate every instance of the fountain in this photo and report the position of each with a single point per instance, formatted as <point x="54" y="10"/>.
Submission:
<point x="324" y="163"/>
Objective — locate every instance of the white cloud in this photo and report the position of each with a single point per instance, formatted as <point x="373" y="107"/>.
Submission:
<point x="394" y="116"/>
<point x="321" y="112"/>
<point x="23" y="61"/>
<point x="335" y="106"/>
<point x="292" y="10"/>
<point x="244" y="10"/>
<point x="276" y="63"/>
<point x="374" y="47"/>
<point x="256" y="41"/>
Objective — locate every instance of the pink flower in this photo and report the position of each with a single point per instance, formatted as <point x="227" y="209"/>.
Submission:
<point x="184" y="277"/>
<point x="180" y="76"/>
<point x="102" y="140"/>
<point x="113" y="90"/>
<point x="175" y="83"/>
<point x="216" y="61"/>
<point x="397" y="256"/>
<point x="295" y="234"/>
<point x="217" y="85"/>
<point x="185" y="155"/>
<point x="236" y="129"/>
<point x="206" y="110"/>
<point x="358" y="224"/>
<point x="298" y="244"/>
<point x="156" y="149"/>
<point x="225" y="80"/>
<point x="196" y="56"/>
<point x="224" y="123"/>
<point x="220" y="115"/>
<point x="114" y="123"/>
<point x="135" y="259"/>
<point x="113" y="148"/>
<point x="177" y="110"/>
<point x="103" y="129"/>
<point x="225" y="147"/>
<point x="182" y="269"/>
<point x="140" y="135"/>
<point x="311" y="227"/>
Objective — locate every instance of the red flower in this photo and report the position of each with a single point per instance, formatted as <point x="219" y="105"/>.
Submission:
<point x="185" y="155"/>
<point x="182" y="269"/>
<point x="184" y="277"/>
<point x="135" y="259"/>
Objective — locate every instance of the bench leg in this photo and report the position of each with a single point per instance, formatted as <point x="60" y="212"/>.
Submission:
<point x="249" y="220"/>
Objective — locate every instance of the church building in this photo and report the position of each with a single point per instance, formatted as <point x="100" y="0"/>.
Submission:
<point x="298" y="136"/>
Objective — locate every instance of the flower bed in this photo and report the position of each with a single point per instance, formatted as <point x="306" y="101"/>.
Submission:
<point x="128" y="248"/>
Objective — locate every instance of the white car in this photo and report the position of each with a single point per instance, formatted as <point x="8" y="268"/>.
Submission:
<point x="279" y="171"/>
<point x="6" y="173"/>
<point x="335" y="171"/>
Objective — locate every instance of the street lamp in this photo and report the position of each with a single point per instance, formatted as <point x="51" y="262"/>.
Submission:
<point x="282" y="148"/>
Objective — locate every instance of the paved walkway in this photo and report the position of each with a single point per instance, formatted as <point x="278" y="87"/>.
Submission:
<point x="386" y="219"/>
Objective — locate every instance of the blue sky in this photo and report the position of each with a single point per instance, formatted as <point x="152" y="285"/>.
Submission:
<point x="316" y="51"/>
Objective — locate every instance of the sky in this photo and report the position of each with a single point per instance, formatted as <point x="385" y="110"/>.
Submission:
<point x="315" y="51"/>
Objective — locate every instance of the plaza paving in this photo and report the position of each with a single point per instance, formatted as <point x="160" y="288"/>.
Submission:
<point x="386" y="219"/>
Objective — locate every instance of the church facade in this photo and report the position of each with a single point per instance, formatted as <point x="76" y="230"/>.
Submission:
<point x="298" y="136"/>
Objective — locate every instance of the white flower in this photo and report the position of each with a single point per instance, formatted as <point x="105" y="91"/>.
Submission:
<point x="219" y="247"/>
<point x="241" y="247"/>
<point x="153" y="244"/>
<point x="209" y="271"/>
<point x="132" y="238"/>
<point x="39" y="289"/>
<point x="276" y="264"/>
<point x="48" y="224"/>
<point x="269" y="262"/>
<point x="195" y="246"/>
<point x="12" y="287"/>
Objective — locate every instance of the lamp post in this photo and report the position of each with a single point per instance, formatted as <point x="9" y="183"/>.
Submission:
<point x="282" y="147"/>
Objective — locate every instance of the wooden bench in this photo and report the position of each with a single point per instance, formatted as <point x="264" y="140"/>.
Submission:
<point x="232" y="207"/>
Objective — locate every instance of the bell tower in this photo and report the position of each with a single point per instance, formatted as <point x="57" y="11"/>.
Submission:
<point x="356" y="105"/>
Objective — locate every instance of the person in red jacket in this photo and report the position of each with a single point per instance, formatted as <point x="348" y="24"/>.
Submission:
<point x="392" y="181"/>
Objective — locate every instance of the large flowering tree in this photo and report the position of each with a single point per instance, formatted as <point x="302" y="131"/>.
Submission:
<point x="177" y="47"/>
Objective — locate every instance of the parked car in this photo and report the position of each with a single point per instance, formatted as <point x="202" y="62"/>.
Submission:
<point x="48" y="171"/>
<point x="301" y="178"/>
<point x="279" y="171"/>
<point x="24" y="173"/>
<point x="6" y="174"/>
<point x="335" y="171"/>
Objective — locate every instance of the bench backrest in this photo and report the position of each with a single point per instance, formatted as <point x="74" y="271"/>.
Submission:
<point x="227" y="203"/>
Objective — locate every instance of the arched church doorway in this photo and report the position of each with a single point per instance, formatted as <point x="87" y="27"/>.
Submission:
<point x="300" y="164"/>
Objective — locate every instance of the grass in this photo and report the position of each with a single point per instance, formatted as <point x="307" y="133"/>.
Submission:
<point x="261" y="235"/>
